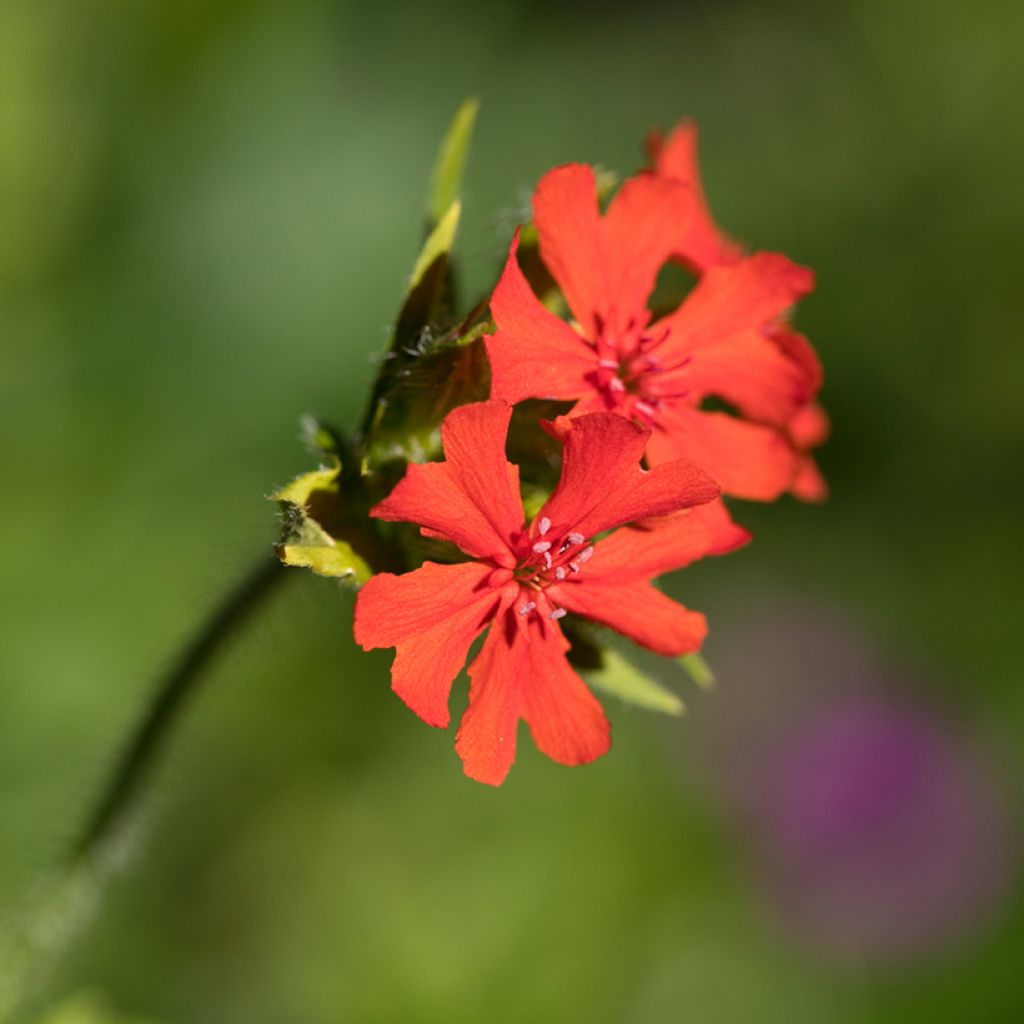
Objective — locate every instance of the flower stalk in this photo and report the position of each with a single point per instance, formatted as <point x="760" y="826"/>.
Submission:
<point x="62" y="900"/>
<point x="170" y="698"/>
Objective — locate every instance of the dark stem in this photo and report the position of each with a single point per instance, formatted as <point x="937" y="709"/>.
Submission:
<point x="169" y="699"/>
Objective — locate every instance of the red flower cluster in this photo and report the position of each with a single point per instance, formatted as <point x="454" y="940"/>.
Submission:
<point x="638" y="383"/>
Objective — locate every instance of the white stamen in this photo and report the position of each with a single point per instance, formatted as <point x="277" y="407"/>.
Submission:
<point x="542" y="546"/>
<point x="557" y="613"/>
<point x="616" y="384"/>
<point x="573" y="567"/>
<point x="547" y="559"/>
<point x="647" y="410"/>
<point x="525" y="609"/>
<point x="585" y="554"/>
<point x="543" y="526"/>
<point x="608" y="364"/>
<point x="559" y="573"/>
<point x="575" y="538"/>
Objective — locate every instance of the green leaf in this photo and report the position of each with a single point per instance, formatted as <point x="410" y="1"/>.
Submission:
<point x="698" y="670"/>
<point x="446" y="180"/>
<point x="402" y="421"/>
<point x="305" y="502"/>
<point x="437" y="246"/>
<point x="620" y="677"/>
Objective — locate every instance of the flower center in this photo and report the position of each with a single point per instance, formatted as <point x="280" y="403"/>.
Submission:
<point x="627" y="369"/>
<point x="548" y="558"/>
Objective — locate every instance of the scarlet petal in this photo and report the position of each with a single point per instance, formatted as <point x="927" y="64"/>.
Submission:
<point x="729" y="300"/>
<point x="472" y="498"/>
<point x="749" y="371"/>
<point x="522" y="673"/>
<point x="643" y="225"/>
<point x="650" y="548"/>
<point x="636" y="610"/>
<point x="748" y="460"/>
<point x="809" y="484"/>
<point x="703" y="245"/>
<point x="473" y="437"/>
<point x="572" y="242"/>
<point x="533" y="354"/>
<point x="726" y="534"/>
<point x="431" y="617"/>
<point x="603" y="486"/>
<point x="486" y="740"/>
<point x="565" y="719"/>
<point x="800" y="350"/>
<point x="810" y="426"/>
<point x="656" y="546"/>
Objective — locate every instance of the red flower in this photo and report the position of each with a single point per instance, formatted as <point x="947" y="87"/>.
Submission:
<point x="524" y="577"/>
<point x="703" y="246"/>
<point x="615" y="358"/>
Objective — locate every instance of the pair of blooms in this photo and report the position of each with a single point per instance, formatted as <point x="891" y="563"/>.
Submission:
<point x="610" y="526"/>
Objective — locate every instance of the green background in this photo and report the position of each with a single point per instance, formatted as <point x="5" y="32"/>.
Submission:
<point x="207" y="212"/>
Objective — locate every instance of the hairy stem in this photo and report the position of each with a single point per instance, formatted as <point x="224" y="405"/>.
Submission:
<point x="170" y="697"/>
<point x="35" y="934"/>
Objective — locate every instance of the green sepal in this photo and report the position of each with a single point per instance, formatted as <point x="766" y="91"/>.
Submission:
<point x="392" y="427"/>
<point x="307" y="501"/>
<point x="621" y="678"/>
<point x="420" y="385"/>
<point x="698" y="670"/>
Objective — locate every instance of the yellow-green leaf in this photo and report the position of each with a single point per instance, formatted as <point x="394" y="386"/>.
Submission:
<point x="426" y="322"/>
<point x="451" y="161"/>
<point x="302" y="488"/>
<point x="438" y="244"/>
<point x="317" y="550"/>
<point x="620" y="677"/>
<point x="304" y="541"/>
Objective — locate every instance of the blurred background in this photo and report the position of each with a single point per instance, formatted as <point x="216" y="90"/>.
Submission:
<point x="207" y="213"/>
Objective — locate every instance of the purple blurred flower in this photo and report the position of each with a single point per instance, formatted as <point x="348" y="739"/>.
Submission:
<point x="879" y="829"/>
<point x="880" y="833"/>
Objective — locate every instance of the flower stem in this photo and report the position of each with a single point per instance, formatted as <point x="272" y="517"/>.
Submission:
<point x="170" y="697"/>
<point x="62" y="899"/>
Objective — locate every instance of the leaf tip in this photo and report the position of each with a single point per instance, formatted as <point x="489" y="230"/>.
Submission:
<point x="698" y="670"/>
<point x="446" y="179"/>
